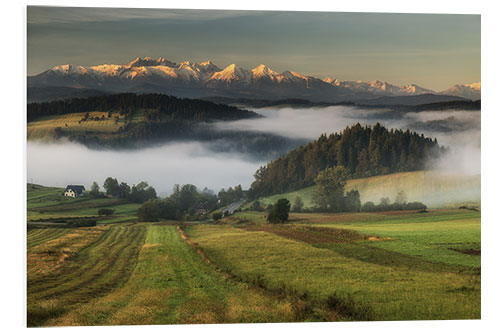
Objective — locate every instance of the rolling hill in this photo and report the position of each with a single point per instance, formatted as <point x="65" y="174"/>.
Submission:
<point x="433" y="188"/>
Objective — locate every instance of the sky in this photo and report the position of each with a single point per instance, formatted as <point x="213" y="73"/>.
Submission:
<point x="435" y="51"/>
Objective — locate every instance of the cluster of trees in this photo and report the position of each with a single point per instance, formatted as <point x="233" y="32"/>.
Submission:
<point x="329" y="196"/>
<point x="362" y="151"/>
<point x="180" y="205"/>
<point x="230" y="195"/>
<point x="126" y="103"/>
<point x="138" y="193"/>
<point x="87" y="117"/>
<point x="400" y="203"/>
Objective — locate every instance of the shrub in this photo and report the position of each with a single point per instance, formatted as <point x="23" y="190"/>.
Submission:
<point x="217" y="215"/>
<point x="105" y="211"/>
<point x="415" y="206"/>
<point x="298" y="205"/>
<point x="369" y="206"/>
<point x="149" y="211"/>
<point x="256" y="206"/>
<point x="280" y="212"/>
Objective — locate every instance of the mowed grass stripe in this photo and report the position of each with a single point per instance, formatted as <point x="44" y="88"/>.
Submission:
<point x="95" y="270"/>
<point x="89" y="262"/>
<point x="39" y="236"/>
<point x="171" y="285"/>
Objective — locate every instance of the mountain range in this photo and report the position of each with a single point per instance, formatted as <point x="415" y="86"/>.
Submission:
<point x="196" y="80"/>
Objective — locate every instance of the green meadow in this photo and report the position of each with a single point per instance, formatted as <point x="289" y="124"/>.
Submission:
<point x="401" y="265"/>
<point x="48" y="203"/>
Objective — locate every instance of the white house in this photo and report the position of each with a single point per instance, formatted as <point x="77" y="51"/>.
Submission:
<point x="74" y="191"/>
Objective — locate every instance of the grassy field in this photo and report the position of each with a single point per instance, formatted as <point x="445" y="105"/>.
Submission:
<point x="435" y="189"/>
<point x="401" y="265"/>
<point x="45" y="203"/>
<point x="404" y="266"/>
<point x="142" y="274"/>
<point x="44" y="128"/>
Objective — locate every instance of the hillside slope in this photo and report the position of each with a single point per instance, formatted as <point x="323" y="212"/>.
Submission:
<point x="433" y="188"/>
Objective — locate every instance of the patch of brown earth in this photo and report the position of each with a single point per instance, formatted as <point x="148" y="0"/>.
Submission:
<point x="311" y="235"/>
<point x="398" y="212"/>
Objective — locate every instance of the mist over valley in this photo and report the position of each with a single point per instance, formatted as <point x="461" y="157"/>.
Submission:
<point x="236" y="149"/>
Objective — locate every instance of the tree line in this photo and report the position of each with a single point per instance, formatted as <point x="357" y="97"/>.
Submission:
<point x="138" y="193"/>
<point x="330" y="197"/>
<point x="182" y="204"/>
<point x="163" y="105"/>
<point x="362" y="151"/>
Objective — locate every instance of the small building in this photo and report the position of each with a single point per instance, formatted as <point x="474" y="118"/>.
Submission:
<point x="74" y="191"/>
<point x="201" y="208"/>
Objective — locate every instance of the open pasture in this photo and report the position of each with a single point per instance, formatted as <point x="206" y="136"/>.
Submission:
<point x="399" y="267"/>
<point x="144" y="274"/>
<point x="44" y="127"/>
<point x="45" y="203"/>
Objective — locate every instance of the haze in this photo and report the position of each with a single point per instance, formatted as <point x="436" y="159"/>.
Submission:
<point x="59" y="164"/>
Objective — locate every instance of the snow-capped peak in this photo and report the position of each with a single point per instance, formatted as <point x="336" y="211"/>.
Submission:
<point x="262" y="71"/>
<point x="232" y="73"/>
<point x="331" y="81"/>
<point x="161" y="71"/>
<point x="69" y="69"/>
<point x="148" y="61"/>
<point x="475" y="86"/>
<point x="207" y="63"/>
<point x="470" y="90"/>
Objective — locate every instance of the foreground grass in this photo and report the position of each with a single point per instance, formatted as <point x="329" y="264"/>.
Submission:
<point x="97" y="268"/>
<point x="169" y="285"/>
<point x="401" y="278"/>
<point x="320" y="267"/>
<point x="437" y="241"/>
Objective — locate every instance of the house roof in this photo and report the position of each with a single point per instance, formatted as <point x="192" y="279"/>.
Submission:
<point x="202" y="205"/>
<point x="78" y="189"/>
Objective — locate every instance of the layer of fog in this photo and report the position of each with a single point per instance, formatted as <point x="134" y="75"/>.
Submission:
<point x="162" y="166"/>
<point x="205" y="164"/>
<point x="458" y="130"/>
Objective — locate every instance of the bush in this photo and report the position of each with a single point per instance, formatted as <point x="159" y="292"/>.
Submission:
<point x="280" y="212"/>
<point x="256" y="206"/>
<point x="369" y="206"/>
<point x="217" y="215"/>
<point x="415" y="206"/>
<point x="82" y="223"/>
<point x="149" y="211"/>
<point x="105" y="211"/>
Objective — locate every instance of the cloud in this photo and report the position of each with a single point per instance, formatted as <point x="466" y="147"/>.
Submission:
<point x="458" y="130"/>
<point x="219" y="165"/>
<point x="47" y="15"/>
<point x="162" y="166"/>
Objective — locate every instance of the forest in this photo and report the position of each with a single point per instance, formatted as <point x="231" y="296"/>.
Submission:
<point x="126" y="103"/>
<point x="363" y="151"/>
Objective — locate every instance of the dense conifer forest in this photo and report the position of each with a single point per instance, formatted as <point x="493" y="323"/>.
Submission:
<point x="126" y="103"/>
<point x="363" y="151"/>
